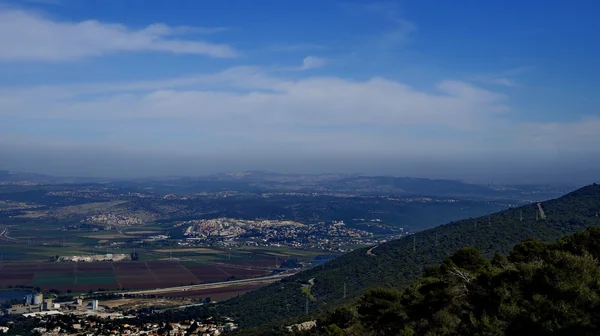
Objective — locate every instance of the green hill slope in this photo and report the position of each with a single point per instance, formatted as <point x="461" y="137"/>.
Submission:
<point x="540" y="289"/>
<point x="398" y="263"/>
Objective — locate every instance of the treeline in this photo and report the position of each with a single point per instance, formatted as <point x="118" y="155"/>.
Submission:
<point x="539" y="289"/>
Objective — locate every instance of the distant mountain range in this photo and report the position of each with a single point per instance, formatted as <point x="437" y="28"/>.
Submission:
<point x="32" y="178"/>
<point x="259" y="181"/>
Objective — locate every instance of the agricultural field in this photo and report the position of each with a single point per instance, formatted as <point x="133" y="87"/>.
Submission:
<point x="117" y="275"/>
<point x="251" y="263"/>
<point x="218" y="294"/>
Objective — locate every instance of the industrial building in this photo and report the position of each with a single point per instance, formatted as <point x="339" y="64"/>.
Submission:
<point x="35" y="303"/>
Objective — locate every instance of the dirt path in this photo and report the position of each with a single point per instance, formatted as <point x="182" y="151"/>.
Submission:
<point x="370" y="251"/>
<point x="151" y="273"/>
<point x="224" y="271"/>
<point x="190" y="273"/>
<point x="542" y="214"/>
<point x="115" y="272"/>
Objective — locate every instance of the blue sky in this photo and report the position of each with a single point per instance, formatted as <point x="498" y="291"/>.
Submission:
<point x="486" y="91"/>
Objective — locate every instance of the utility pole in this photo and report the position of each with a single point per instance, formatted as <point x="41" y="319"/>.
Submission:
<point x="344" y="290"/>
<point x="307" y="305"/>
<point x="490" y="220"/>
<point x="414" y="244"/>
<point x="536" y="216"/>
<point x="521" y="215"/>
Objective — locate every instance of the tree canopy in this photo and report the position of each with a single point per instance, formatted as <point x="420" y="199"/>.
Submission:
<point x="540" y="289"/>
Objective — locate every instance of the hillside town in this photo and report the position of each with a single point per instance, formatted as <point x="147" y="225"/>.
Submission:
<point x="330" y="235"/>
<point x="113" y="220"/>
<point x="52" y="326"/>
<point x="63" y="325"/>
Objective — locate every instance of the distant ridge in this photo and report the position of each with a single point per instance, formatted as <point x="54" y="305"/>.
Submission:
<point x="263" y="182"/>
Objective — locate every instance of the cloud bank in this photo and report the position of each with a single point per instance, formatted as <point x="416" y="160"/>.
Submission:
<point x="248" y="118"/>
<point x="30" y="37"/>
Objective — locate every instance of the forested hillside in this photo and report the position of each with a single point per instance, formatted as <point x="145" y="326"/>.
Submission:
<point x="398" y="263"/>
<point x="540" y="289"/>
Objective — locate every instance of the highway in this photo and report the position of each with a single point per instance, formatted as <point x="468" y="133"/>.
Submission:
<point x="4" y="235"/>
<point x="269" y="279"/>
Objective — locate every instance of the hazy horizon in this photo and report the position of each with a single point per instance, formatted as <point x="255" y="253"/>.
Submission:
<point x="145" y="88"/>
<point x="117" y="167"/>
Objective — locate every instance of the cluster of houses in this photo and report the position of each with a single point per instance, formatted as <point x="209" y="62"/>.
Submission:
<point x="187" y="328"/>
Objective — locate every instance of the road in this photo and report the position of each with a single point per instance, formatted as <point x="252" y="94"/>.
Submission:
<point x="542" y="214"/>
<point x="246" y="267"/>
<point x="370" y="251"/>
<point x="270" y="278"/>
<point x="4" y="235"/>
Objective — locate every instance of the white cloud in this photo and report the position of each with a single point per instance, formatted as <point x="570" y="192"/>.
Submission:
<point x="45" y="2"/>
<point x="25" y="36"/>
<point x="496" y="81"/>
<point x="249" y="97"/>
<point x="312" y="62"/>
<point x="400" y="33"/>
<point x="401" y="28"/>
<point x="163" y="29"/>
<point x="504" y="78"/>
<point x="297" y="47"/>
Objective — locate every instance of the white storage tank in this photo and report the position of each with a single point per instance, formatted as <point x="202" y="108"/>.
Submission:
<point x="28" y="299"/>
<point x="38" y="298"/>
